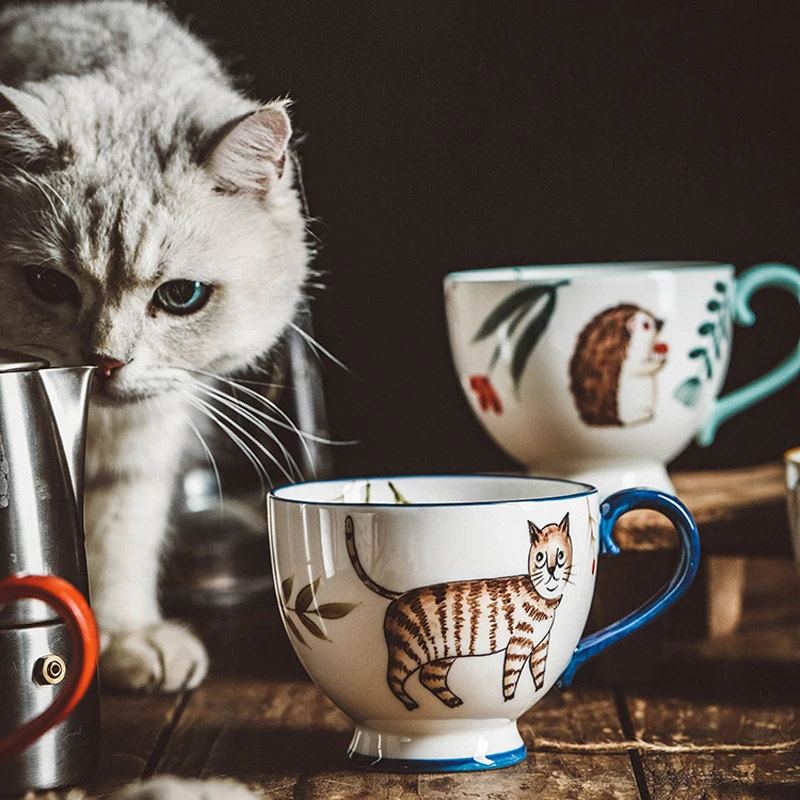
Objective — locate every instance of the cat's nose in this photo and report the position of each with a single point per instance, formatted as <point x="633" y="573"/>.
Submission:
<point x="107" y="366"/>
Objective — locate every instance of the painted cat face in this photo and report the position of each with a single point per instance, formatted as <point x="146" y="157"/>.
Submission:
<point x="550" y="558"/>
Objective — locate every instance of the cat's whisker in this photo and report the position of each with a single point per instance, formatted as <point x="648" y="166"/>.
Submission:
<point x="209" y="455"/>
<point x="218" y="417"/>
<point x="318" y="349"/>
<point x="264" y="384"/>
<point x="287" y="423"/>
<point x="250" y="414"/>
<point x="208" y="411"/>
<point x="211" y="413"/>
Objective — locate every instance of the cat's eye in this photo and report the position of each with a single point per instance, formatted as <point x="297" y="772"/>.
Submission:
<point x="51" y="285"/>
<point x="560" y="558"/>
<point x="182" y="296"/>
<point x="540" y="558"/>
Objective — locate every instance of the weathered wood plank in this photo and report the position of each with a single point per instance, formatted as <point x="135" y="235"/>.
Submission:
<point x="130" y="729"/>
<point x="741" y="689"/>
<point x="264" y="723"/>
<point x="717" y="775"/>
<point x="289" y="740"/>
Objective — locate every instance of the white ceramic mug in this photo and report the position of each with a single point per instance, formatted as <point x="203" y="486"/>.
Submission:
<point x="434" y="611"/>
<point x="605" y="372"/>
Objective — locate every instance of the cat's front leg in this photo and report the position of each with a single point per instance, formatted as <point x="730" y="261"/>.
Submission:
<point x="538" y="661"/>
<point x="517" y="652"/>
<point x="127" y="509"/>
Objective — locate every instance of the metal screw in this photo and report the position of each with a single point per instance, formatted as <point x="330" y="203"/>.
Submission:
<point x="49" y="670"/>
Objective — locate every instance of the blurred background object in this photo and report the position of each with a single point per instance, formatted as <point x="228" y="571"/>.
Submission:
<point x="451" y="135"/>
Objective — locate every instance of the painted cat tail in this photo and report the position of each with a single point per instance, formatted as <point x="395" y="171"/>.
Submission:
<point x="350" y="537"/>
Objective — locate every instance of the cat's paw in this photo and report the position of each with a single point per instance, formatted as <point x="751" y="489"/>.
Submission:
<point x="165" y="657"/>
<point x="167" y="787"/>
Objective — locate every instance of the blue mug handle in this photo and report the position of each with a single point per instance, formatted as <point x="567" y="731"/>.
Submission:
<point x="780" y="276"/>
<point x="611" y="509"/>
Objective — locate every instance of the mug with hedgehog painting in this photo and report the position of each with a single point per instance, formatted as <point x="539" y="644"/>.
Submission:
<point x="436" y="610"/>
<point x="604" y="372"/>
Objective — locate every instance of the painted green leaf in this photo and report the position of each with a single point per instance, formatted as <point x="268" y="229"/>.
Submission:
<point x="335" y="610"/>
<point x="530" y="336"/>
<point x="715" y="339"/>
<point x="293" y="628"/>
<point x="720" y="287"/>
<point x="312" y="627"/>
<point x="688" y="392"/>
<point x="305" y="596"/>
<point x="519" y="301"/>
<point x="709" y="368"/>
<point x="697" y="352"/>
<point x="512" y="327"/>
<point x="519" y="316"/>
<point x="493" y="359"/>
<point x="286" y="589"/>
<point x="398" y="498"/>
<point x="713" y="305"/>
<point x="706" y="328"/>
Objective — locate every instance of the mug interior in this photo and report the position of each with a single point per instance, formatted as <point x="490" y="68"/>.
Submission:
<point x="432" y="490"/>
<point x="573" y="271"/>
<point x="792" y="456"/>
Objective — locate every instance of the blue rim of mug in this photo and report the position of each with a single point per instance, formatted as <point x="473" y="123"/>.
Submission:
<point x="599" y="269"/>
<point x="582" y="490"/>
<point x="496" y="761"/>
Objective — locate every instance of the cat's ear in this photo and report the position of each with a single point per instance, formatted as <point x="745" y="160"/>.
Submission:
<point x="251" y="155"/>
<point x="564" y="524"/>
<point x="535" y="533"/>
<point x="23" y="143"/>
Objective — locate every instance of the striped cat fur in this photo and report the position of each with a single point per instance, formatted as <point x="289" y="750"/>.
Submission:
<point x="428" y="628"/>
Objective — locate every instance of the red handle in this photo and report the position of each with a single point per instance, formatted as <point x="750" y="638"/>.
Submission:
<point x="72" y="607"/>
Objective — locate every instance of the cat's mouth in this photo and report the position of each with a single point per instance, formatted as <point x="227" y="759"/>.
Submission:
<point x="552" y="583"/>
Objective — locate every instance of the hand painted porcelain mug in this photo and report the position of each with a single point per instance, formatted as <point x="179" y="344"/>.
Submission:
<point x="434" y="611"/>
<point x="604" y="372"/>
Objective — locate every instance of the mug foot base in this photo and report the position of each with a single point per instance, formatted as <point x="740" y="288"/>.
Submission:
<point x="609" y="476"/>
<point x="458" y="751"/>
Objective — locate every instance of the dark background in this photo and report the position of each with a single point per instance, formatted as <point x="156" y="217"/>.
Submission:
<point x="439" y="135"/>
<point x="444" y="135"/>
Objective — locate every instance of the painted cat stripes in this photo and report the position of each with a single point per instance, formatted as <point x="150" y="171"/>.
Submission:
<point x="426" y="629"/>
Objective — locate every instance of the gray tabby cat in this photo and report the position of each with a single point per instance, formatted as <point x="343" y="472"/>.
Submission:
<point x="149" y="224"/>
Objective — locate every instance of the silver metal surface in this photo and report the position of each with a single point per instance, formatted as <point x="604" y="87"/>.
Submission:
<point x="41" y="455"/>
<point x="66" y="754"/>
<point x="42" y="437"/>
<point x="12" y="361"/>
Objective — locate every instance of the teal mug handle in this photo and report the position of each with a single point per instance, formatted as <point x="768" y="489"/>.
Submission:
<point x="780" y="276"/>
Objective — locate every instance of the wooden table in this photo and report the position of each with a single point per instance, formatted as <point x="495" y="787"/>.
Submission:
<point x="259" y="719"/>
